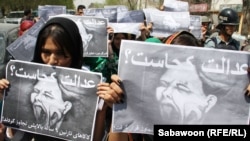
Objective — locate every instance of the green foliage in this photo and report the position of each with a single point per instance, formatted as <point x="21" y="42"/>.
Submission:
<point x="96" y="5"/>
<point x="11" y="5"/>
<point x="131" y="4"/>
<point x="113" y="2"/>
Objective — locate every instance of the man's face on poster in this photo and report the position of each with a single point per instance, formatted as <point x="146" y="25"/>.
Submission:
<point x="48" y="106"/>
<point x="181" y="97"/>
<point x="86" y="38"/>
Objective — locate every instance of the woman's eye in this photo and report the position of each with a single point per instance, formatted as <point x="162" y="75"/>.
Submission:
<point x="46" y="52"/>
<point x="59" y="53"/>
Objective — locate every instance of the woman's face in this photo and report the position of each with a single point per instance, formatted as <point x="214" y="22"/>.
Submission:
<point x="53" y="55"/>
<point x="117" y="40"/>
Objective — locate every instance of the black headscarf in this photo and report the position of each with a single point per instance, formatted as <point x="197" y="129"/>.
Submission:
<point x="71" y="28"/>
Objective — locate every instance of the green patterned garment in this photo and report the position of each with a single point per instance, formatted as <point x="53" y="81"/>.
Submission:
<point x="107" y="66"/>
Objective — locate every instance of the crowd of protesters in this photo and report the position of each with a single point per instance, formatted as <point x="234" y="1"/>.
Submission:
<point x="47" y="51"/>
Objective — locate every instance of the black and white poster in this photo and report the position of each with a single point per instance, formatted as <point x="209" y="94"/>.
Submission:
<point x="94" y="34"/>
<point x="109" y="13"/>
<point x="195" y="26"/>
<point x="176" y="6"/>
<point x="23" y="47"/>
<point x="166" y="23"/>
<point x="148" y="11"/>
<point x="120" y="8"/>
<point x="132" y="28"/>
<point x="48" y="100"/>
<point x="46" y="11"/>
<point x="180" y="85"/>
<point x="134" y="16"/>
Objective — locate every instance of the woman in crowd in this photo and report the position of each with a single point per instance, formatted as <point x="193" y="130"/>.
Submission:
<point x="24" y="26"/>
<point x="182" y="38"/>
<point x="59" y="44"/>
<point x="109" y="66"/>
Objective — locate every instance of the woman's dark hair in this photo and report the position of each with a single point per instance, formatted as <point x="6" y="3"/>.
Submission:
<point x="65" y="34"/>
<point x="116" y="50"/>
<point x="26" y="12"/>
<point x="81" y="7"/>
<point x="182" y="38"/>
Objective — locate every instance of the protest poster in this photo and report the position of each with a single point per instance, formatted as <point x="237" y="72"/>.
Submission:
<point x="109" y="13"/>
<point x="180" y="85"/>
<point x="45" y="11"/>
<point x="94" y="34"/>
<point x="176" y="6"/>
<point x="131" y="28"/>
<point x="120" y="8"/>
<point x="195" y="26"/>
<point x="166" y="23"/>
<point x="50" y="100"/>
<point x="134" y="16"/>
<point x="23" y="47"/>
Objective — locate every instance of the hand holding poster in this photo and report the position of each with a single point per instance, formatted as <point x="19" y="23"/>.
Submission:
<point x="180" y="85"/>
<point x="52" y="101"/>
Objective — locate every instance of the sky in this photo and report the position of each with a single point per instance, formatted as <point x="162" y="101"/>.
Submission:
<point x="86" y="2"/>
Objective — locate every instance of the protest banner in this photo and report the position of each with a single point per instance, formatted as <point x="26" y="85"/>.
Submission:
<point x="177" y="85"/>
<point x="49" y="100"/>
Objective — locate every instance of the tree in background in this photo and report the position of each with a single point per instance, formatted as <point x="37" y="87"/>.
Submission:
<point x="13" y="5"/>
<point x="246" y="18"/>
<point x="131" y="4"/>
<point x="136" y="4"/>
<point x="96" y="5"/>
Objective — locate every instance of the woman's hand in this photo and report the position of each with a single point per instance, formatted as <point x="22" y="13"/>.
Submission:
<point x="247" y="92"/>
<point x="4" y="84"/>
<point x="111" y="93"/>
<point x="110" y="30"/>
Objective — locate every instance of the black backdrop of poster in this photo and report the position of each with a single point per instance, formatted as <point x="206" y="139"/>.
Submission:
<point x="142" y="65"/>
<point x="40" y="95"/>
